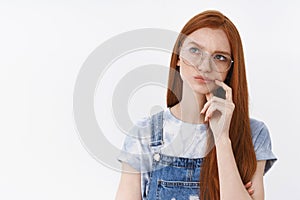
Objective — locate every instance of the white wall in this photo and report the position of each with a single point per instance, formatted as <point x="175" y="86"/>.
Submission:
<point x="43" y="45"/>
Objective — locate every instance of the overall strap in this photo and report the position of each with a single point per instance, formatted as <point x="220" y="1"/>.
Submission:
<point x="157" y="129"/>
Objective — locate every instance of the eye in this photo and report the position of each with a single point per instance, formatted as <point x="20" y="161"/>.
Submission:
<point x="194" y="50"/>
<point x="220" y="57"/>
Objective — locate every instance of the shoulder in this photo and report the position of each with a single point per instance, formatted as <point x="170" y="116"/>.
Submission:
<point x="135" y="150"/>
<point x="260" y="134"/>
<point x="262" y="143"/>
<point x="140" y="128"/>
<point x="140" y="132"/>
<point x="256" y="125"/>
<point x="147" y="121"/>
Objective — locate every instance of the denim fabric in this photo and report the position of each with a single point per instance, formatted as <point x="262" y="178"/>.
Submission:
<point x="174" y="178"/>
<point x="167" y="173"/>
<point x="171" y="177"/>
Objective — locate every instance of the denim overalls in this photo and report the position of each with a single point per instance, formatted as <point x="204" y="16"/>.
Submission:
<point x="171" y="178"/>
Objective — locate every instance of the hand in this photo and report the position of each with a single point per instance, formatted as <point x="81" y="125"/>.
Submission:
<point x="218" y="111"/>
<point x="248" y="188"/>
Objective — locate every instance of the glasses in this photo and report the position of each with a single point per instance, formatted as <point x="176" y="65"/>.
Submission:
<point x="193" y="55"/>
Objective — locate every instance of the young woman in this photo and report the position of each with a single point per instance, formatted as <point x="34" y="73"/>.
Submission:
<point x="204" y="145"/>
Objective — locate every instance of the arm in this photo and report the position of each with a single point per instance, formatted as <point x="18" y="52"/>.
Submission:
<point x="130" y="184"/>
<point x="231" y="185"/>
<point x="218" y="113"/>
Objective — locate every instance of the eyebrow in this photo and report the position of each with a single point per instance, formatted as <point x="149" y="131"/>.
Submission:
<point x="218" y="51"/>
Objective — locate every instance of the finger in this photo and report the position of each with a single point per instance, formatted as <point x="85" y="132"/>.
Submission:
<point x="209" y="96"/>
<point x="213" y="99"/>
<point x="251" y="191"/>
<point x="227" y="89"/>
<point x="207" y="104"/>
<point x="210" y="111"/>
<point x="205" y="107"/>
<point x="248" y="185"/>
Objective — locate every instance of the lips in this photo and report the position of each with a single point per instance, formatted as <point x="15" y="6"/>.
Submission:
<point x="203" y="79"/>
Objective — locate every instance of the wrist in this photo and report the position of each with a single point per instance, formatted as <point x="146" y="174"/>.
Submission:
<point x="222" y="140"/>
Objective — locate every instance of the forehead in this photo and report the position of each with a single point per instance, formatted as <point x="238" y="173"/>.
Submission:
<point x="210" y="39"/>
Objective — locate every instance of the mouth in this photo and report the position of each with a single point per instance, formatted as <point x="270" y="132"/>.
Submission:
<point x="202" y="79"/>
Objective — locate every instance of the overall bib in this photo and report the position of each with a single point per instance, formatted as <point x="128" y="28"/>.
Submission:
<point x="171" y="178"/>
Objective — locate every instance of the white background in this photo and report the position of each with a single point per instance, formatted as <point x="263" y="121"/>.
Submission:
<point x="43" y="45"/>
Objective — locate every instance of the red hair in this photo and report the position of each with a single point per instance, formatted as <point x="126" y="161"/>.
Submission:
<point x="239" y="133"/>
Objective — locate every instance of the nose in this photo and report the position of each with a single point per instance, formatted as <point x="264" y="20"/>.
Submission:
<point x="205" y="64"/>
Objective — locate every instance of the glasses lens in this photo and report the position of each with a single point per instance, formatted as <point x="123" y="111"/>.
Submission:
<point x="221" y="62"/>
<point x="193" y="56"/>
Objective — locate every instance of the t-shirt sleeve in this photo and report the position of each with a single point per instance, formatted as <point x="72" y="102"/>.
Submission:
<point x="262" y="144"/>
<point x="135" y="149"/>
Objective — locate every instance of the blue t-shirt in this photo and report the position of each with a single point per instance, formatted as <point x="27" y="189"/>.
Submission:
<point x="182" y="139"/>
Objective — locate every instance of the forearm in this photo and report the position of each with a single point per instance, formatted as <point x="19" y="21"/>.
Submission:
<point x="231" y="185"/>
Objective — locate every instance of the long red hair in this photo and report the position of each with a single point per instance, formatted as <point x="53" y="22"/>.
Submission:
<point x="240" y="133"/>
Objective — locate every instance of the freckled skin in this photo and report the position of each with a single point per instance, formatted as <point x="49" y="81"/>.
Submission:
<point x="212" y="40"/>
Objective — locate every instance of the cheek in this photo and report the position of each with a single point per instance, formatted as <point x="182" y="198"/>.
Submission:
<point x="221" y="77"/>
<point x="185" y="73"/>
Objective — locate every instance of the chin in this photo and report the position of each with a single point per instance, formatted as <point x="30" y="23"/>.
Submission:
<point x="203" y="89"/>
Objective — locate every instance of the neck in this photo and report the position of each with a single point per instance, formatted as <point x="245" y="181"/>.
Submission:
<point x="188" y="109"/>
